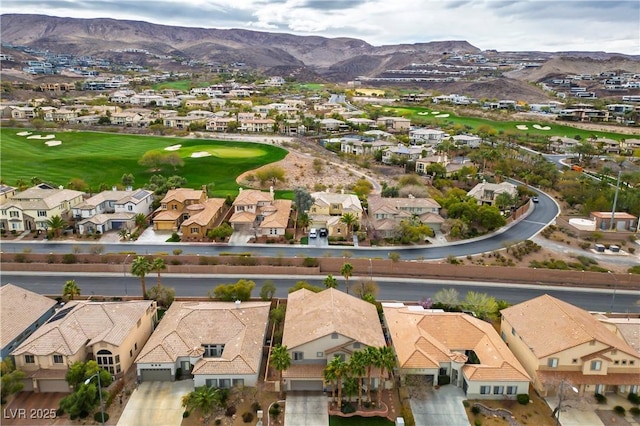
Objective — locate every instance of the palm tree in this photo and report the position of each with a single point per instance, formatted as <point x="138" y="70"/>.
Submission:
<point x="346" y="271"/>
<point x="370" y="356"/>
<point x="70" y="289"/>
<point x="357" y="366"/>
<point x="140" y="220"/>
<point x="204" y="398"/>
<point x="330" y="281"/>
<point x="56" y="224"/>
<point x="385" y="361"/>
<point x="281" y="360"/>
<point x="330" y="377"/>
<point x="340" y="369"/>
<point x="140" y="267"/>
<point x="348" y="219"/>
<point x="158" y="265"/>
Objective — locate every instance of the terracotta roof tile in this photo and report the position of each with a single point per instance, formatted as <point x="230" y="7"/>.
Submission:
<point x="19" y="308"/>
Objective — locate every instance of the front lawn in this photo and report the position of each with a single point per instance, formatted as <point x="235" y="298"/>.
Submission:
<point x="102" y="158"/>
<point x="359" y="421"/>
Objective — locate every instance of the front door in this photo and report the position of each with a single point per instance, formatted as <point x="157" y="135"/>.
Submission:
<point x="454" y="377"/>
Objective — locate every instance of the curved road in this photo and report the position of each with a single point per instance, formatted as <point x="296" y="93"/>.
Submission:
<point x="539" y="216"/>
<point x="389" y="288"/>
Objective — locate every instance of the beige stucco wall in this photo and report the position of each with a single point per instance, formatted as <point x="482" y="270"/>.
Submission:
<point x="311" y="349"/>
<point x="473" y="389"/>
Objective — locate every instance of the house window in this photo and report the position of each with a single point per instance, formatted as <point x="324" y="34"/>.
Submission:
<point x="624" y="362"/>
<point x="616" y="362"/>
<point x="614" y="351"/>
<point x="139" y="323"/>
<point x="57" y="359"/>
<point x="42" y="213"/>
<point x="596" y="365"/>
<point x="334" y="335"/>
<point x="485" y="390"/>
<point x="224" y="383"/>
<point x="105" y="360"/>
<point x="633" y="389"/>
<point x="14" y="214"/>
<point x="552" y="362"/>
<point x="238" y="383"/>
<point x="356" y="345"/>
<point x="130" y="207"/>
<point x="592" y="343"/>
<point x="632" y="362"/>
<point x="194" y="230"/>
<point x="512" y="390"/>
<point x="213" y="351"/>
<point x="212" y="383"/>
<point x="131" y="353"/>
<point x="498" y="390"/>
<point x="29" y="359"/>
<point x="298" y="356"/>
<point x="513" y="331"/>
<point x="574" y="361"/>
<point x="319" y="354"/>
<point x="135" y="346"/>
<point x="174" y="207"/>
<point x="118" y="369"/>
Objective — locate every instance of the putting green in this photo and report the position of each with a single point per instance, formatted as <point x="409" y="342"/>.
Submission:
<point x="222" y="151"/>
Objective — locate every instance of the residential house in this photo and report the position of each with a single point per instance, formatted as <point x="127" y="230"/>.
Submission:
<point x="257" y="211"/>
<point x="328" y="208"/>
<point x="202" y="218"/>
<point x="173" y="208"/>
<point x="471" y="141"/>
<point x="31" y="209"/>
<point x="607" y="145"/>
<point x="21" y="313"/>
<point x="219" y="124"/>
<point x="138" y="202"/>
<point x="218" y="344"/>
<point x="559" y="342"/>
<point x="563" y="144"/>
<point x="426" y="136"/>
<point x="455" y="347"/>
<point x="395" y="124"/>
<point x="385" y="214"/>
<point x="622" y="221"/>
<point x="257" y="125"/>
<point x="112" y="210"/>
<point x="182" y="122"/>
<point x="630" y="145"/>
<point x="363" y="147"/>
<point x="6" y="192"/>
<point x="103" y="202"/>
<point x="23" y="112"/>
<point x="130" y="119"/>
<point x="321" y="326"/>
<point x="332" y="125"/>
<point x="112" y="333"/>
<point x="402" y="153"/>
<point x="487" y="193"/>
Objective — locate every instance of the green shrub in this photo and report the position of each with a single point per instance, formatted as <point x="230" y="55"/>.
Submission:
<point x="475" y="410"/>
<point x="477" y="422"/>
<point x="98" y="416"/>
<point x="635" y="411"/>
<point x="176" y="262"/>
<point x="185" y="414"/>
<point x="310" y="262"/>
<point x="634" y="269"/>
<point x="247" y="417"/>
<point x="348" y="408"/>
<point x="619" y="409"/>
<point x="20" y="258"/>
<point x="177" y="252"/>
<point x="601" y="398"/>
<point x="255" y="406"/>
<point x="69" y="258"/>
<point x="634" y="398"/>
<point x="523" y="398"/>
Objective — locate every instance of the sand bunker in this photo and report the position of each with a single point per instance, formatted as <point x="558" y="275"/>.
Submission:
<point x="442" y="115"/>
<point x="435" y="112"/>
<point x="522" y="127"/>
<point x="173" y="148"/>
<point x="539" y="127"/>
<point x="23" y="134"/>
<point x="377" y="106"/>
<point x="53" y="143"/>
<point x="41" y="137"/>
<point x="423" y="113"/>
<point x="200" y="154"/>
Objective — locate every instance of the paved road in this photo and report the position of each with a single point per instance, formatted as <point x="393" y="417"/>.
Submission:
<point x="389" y="288"/>
<point x="540" y="215"/>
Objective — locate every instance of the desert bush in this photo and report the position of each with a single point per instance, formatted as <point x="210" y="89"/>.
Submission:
<point x="620" y="410"/>
<point x="310" y="262"/>
<point x="69" y="258"/>
<point x="247" y="417"/>
<point x="601" y="398"/>
<point x="634" y="398"/>
<point x="635" y="411"/>
<point x="523" y="398"/>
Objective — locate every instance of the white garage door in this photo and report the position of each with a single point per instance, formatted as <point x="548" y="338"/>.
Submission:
<point x="307" y="385"/>
<point x="55" y="385"/>
<point x="156" y="375"/>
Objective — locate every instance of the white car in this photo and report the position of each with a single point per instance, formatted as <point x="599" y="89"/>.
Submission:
<point x="313" y="233"/>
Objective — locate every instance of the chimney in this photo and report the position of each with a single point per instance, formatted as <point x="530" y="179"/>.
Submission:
<point x="238" y="303"/>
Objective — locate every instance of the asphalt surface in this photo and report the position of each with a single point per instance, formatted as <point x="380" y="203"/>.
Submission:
<point x="389" y="289"/>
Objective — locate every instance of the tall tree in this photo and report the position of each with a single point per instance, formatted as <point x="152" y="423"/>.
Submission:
<point x="70" y="289"/>
<point x="330" y="281"/>
<point x="273" y="174"/>
<point x="281" y="360"/>
<point x="158" y="265"/>
<point x="140" y="267"/>
<point x="203" y="398"/>
<point x="11" y="379"/>
<point x="385" y="361"/>
<point x="56" y="224"/>
<point x="357" y="366"/>
<point x="349" y="219"/>
<point x="340" y="369"/>
<point x="346" y="271"/>
<point x="370" y="356"/>
<point x="330" y="378"/>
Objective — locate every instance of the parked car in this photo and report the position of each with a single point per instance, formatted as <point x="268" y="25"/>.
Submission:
<point x="324" y="232"/>
<point x="313" y="233"/>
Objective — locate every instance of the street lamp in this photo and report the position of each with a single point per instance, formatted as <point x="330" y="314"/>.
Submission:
<point x="573" y="388"/>
<point x="86" y="382"/>
<point x="615" y="287"/>
<point x="370" y="270"/>
<point x="124" y="274"/>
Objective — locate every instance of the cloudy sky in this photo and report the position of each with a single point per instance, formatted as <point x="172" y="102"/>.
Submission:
<point x="549" y="25"/>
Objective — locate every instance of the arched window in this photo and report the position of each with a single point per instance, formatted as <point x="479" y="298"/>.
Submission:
<point x="107" y="361"/>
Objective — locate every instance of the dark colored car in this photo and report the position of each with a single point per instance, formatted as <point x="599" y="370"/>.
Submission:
<point x="324" y="232"/>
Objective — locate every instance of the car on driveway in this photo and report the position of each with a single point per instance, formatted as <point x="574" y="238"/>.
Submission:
<point x="313" y="233"/>
<point x="324" y="232"/>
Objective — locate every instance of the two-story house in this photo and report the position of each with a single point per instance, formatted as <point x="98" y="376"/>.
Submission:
<point x="31" y="209"/>
<point x="21" y="313"/>
<point x="394" y="124"/>
<point x="111" y="333"/>
<point x="403" y="153"/>
<point x="112" y="210"/>
<point x="218" y="344"/>
<point x="321" y="326"/>
<point x="487" y="193"/>
<point x="385" y="214"/>
<point x="426" y="136"/>
<point x="259" y="213"/>
<point x="329" y="207"/>
<point x="556" y="341"/>
<point x="202" y="218"/>
<point x="454" y="347"/>
<point x="173" y="208"/>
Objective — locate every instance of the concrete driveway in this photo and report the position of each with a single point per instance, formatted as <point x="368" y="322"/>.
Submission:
<point x="440" y="407"/>
<point x="306" y="409"/>
<point x="156" y="404"/>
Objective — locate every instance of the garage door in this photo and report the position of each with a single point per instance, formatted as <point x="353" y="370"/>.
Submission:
<point x="56" y="385"/>
<point x="307" y="385"/>
<point x="156" y="375"/>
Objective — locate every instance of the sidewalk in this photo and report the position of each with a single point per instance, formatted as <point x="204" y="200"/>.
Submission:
<point x="581" y="412"/>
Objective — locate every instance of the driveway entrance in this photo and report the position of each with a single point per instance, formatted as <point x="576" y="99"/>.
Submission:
<point x="156" y="403"/>
<point x="440" y="407"/>
<point x="306" y="409"/>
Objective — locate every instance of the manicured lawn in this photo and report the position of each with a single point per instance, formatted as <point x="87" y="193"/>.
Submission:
<point x="359" y="421"/>
<point x="104" y="157"/>
<point x="474" y="122"/>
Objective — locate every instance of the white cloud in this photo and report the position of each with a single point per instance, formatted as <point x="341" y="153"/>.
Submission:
<point x="606" y="25"/>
